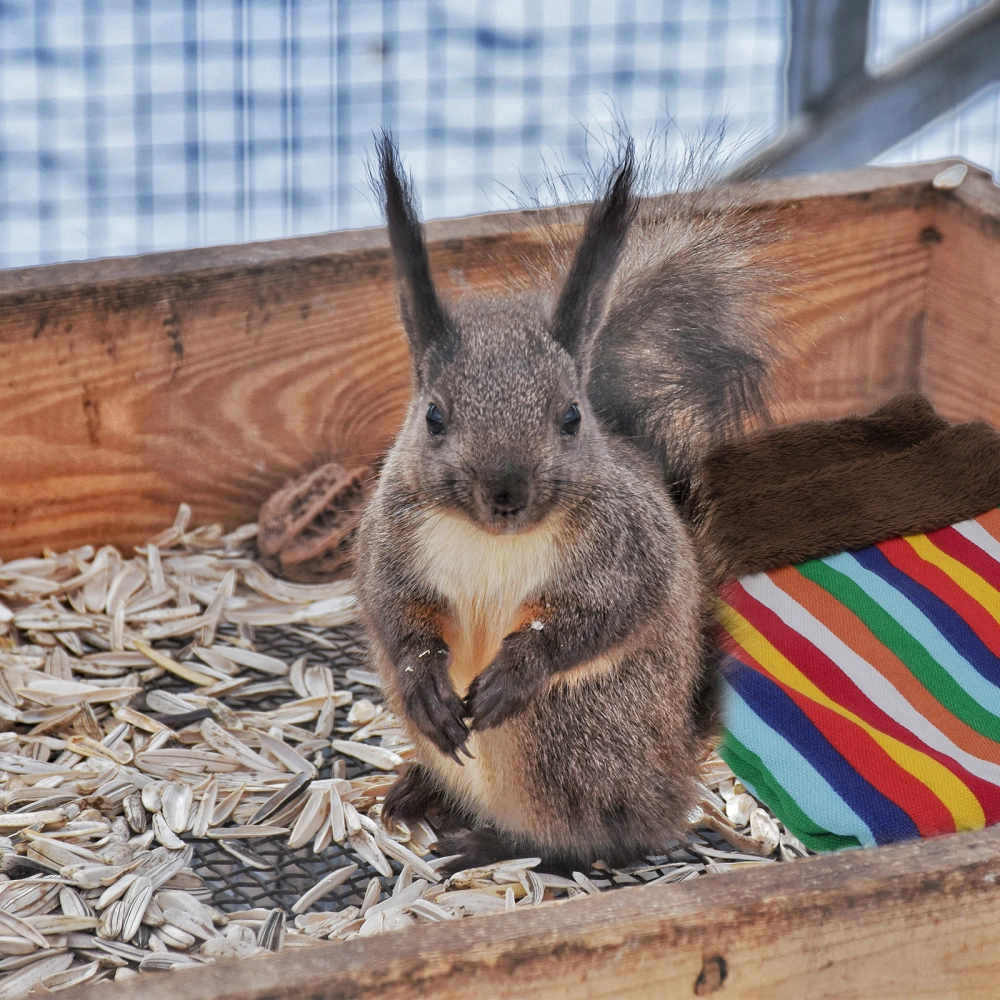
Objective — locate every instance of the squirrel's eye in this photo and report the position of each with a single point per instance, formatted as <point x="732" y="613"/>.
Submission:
<point x="435" y="420"/>
<point x="571" y="420"/>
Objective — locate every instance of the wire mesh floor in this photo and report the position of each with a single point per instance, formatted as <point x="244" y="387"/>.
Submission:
<point x="237" y="886"/>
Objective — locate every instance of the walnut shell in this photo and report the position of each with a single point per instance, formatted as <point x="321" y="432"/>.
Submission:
<point x="304" y="530"/>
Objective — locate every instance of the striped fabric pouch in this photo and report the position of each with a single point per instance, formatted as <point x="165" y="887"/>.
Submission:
<point x="862" y="691"/>
<point x="861" y="687"/>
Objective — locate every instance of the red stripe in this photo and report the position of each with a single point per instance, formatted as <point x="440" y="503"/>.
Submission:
<point x="970" y="555"/>
<point x="840" y="689"/>
<point x="902" y="555"/>
<point x="864" y="755"/>
<point x="732" y="593"/>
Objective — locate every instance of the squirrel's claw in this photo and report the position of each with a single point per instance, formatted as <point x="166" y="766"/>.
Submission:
<point x="410" y="797"/>
<point x="437" y="711"/>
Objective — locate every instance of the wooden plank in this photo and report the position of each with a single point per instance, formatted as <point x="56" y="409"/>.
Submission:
<point x="909" y="921"/>
<point x="851" y="321"/>
<point x="866" y="182"/>
<point x="962" y="334"/>
<point x="120" y="399"/>
<point x="211" y="376"/>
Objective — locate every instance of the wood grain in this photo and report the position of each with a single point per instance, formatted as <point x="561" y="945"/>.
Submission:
<point x="120" y="400"/>
<point x="853" y="315"/>
<point x="909" y="921"/>
<point x="212" y="376"/>
<point x="962" y="333"/>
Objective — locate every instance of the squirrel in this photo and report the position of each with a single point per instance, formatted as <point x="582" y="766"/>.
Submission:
<point x="529" y="579"/>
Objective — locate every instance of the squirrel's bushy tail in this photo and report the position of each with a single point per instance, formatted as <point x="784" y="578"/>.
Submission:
<point x="685" y="348"/>
<point x="682" y="359"/>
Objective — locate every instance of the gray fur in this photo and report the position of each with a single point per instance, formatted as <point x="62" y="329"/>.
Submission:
<point x="681" y="361"/>
<point x="593" y="721"/>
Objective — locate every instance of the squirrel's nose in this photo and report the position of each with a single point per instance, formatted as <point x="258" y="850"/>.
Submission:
<point x="506" y="494"/>
<point x="506" y="503"/>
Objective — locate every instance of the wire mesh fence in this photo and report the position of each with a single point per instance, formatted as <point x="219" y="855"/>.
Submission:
<point x="897" y="26"/>
<point x="135" y="125"/>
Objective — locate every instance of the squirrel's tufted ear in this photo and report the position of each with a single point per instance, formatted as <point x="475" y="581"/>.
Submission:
<point x="432" y="335"/>
<point x="581" y="304"/>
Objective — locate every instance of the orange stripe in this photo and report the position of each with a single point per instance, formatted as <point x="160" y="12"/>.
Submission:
<point x="991" y="522"/>
<point x="853" y="632"/>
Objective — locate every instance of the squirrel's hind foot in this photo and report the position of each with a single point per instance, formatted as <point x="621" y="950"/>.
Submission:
<point x="416" y="796"/>
<point x="410" y="799"/>
<point x="474" y="848"/>
<point x="484" y="846"/>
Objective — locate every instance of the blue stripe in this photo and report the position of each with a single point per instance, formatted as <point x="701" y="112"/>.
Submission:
<point x="945" y="619"/>
<point x="796" y="775"/>
<point x="922" y="630"/>
<point x="883" y="821"/>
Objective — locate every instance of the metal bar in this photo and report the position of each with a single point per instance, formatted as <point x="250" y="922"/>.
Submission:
<point x="826" y="51"/>
<point x="883" y="110"/>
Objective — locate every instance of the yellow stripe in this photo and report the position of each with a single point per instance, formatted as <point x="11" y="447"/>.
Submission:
<point x="956" y="796"/>
<point x="972" y="583"/>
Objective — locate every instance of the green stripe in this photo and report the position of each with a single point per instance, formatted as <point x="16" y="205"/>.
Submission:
<point x="941" y="685"/>
<point x="751" y="770"/>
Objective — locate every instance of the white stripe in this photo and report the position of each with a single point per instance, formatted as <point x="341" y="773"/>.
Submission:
<point x="865" y="676"/>
<point x="980" y="537"/>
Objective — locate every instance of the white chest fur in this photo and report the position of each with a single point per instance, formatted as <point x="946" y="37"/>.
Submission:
<point x="486" y="580"/>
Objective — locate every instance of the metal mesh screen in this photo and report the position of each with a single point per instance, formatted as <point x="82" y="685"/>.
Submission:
<point x="236" y="885"/>
<point x="137" y="125"/>
<point x="971" y="130"/>
<point x="896" y="26"/>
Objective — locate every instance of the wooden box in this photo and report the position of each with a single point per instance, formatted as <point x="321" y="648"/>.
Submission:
<point x="211" y="376"/>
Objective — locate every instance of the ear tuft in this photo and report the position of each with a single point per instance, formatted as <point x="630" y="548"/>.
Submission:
<point x="432" y="335"/>
<point x="580" y="309"/>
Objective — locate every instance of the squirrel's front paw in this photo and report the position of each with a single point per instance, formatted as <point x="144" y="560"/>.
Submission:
<point x="499" y="693"/>
<point x="434" y="707"/>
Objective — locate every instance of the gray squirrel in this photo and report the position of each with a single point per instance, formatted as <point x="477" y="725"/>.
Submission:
<point x="528" y="571"/>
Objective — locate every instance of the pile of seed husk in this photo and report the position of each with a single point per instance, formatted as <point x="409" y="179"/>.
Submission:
<point x="130" y="693"/>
